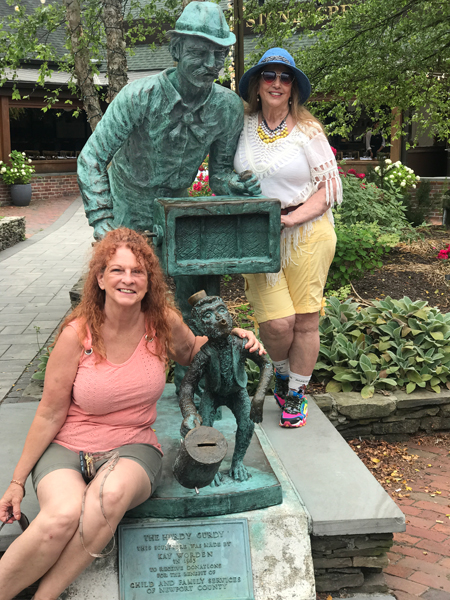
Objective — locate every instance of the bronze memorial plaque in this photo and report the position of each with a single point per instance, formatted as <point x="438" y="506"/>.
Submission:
<point x="188" y="560"/>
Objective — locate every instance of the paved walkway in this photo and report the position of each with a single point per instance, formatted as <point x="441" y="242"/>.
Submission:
<point x="35" y="278"/>
<point x="40" y="214"/>
<point x="420" y="557"/>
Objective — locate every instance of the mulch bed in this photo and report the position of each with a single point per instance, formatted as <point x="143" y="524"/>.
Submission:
<point x="412" y="270"/>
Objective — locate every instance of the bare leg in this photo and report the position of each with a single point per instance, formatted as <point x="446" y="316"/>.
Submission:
<point x="305" y="346"/>
<point x="277" y="336"/>
<point x="127" y="486"/>
<point x="39" y="547"/>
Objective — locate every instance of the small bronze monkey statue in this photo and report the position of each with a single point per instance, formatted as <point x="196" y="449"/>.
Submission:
<point x="222" y="361"/>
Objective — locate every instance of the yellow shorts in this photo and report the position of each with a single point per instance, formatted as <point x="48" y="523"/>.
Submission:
<point x="300" y="289"/>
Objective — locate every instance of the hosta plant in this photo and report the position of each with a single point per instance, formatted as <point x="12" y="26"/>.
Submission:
<point x="394" y="343"/>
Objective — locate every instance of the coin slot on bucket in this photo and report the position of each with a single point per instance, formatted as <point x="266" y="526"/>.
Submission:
<point x="199" y="457"/>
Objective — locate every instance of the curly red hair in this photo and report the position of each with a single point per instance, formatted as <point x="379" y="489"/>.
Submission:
<point x="156" y="304"/>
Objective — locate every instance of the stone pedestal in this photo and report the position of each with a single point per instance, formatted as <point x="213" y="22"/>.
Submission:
<point x="279" y="546"/>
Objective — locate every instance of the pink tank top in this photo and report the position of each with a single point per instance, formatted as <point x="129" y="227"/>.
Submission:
<point x="113" y="405"/>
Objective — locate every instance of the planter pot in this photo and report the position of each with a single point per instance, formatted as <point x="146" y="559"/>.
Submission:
<point x="21" y="194"/>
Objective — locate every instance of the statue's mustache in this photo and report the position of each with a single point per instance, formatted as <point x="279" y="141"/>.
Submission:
<point x="205" y="71"/>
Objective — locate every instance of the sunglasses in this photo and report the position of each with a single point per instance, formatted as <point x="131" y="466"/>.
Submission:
<point x="285" y="77"/>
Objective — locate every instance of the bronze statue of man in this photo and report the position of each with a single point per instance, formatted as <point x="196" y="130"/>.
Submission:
<point x="159" y="129"/>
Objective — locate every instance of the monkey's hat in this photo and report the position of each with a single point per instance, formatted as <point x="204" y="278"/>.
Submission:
<point x="206" y="20"/>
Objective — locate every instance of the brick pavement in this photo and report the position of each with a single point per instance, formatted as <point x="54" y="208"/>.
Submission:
<point x="420" y="557"/>
<point x="40" y="214"/>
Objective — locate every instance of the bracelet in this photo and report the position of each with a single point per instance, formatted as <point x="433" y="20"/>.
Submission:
<point x="22" y="485"/>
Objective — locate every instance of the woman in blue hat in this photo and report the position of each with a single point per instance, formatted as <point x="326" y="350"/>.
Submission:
<point x="286" y="148"/>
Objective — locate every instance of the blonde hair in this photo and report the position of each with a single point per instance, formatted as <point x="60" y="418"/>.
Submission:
<point x="304" y="120"/>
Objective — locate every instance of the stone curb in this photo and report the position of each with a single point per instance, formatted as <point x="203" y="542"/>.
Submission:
<point x="392" y="417"/>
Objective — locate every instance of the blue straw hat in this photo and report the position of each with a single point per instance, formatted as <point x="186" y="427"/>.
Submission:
<point x="277" y="56"/>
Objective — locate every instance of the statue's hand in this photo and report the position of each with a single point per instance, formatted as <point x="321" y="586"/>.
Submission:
<point x="247" y="185"/>
<point x="102" y="227"/>
<point x="190" y="422"/>
<point x="256" y="412"/>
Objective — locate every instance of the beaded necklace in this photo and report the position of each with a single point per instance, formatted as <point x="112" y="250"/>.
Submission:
<point x="268" y="135"/>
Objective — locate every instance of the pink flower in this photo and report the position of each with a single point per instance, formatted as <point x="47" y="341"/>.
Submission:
<point x="360" y="175"/>
<point x="206" y="179"/>
<point x="333" y="150"/>
<point x="352" y="172"/>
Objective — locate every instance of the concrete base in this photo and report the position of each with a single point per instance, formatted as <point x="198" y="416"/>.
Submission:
<point x="339" y="492"/>
<point x="15" y="420"/>
<point x="279" y="545"/>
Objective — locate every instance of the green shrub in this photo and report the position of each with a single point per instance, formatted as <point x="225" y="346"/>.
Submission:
<point x="417" y="212"/>
<point x="365" y="202"/>
<point x="341" y="293"/>
<point x="395" y="343"/>
<point x="359" y="249"/>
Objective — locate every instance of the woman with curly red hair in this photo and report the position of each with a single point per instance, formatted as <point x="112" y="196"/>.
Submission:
<point x="103" y="379"/>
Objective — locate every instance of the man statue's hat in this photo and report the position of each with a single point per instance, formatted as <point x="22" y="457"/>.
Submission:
<point x="206" y="20"/>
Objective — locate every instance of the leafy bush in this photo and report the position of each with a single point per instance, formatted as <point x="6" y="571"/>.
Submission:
<point x="20" y="170"/>
<point x="359" y="249"/>
<point x="394" y="343"/>
<point x="396" y="174"/>
<point x="418" y="211"/>
<point x="341" y="293"/>
<point x="365" y="202"/>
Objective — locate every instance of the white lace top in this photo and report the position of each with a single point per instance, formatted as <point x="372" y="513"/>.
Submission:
<point x="291" y="170"/>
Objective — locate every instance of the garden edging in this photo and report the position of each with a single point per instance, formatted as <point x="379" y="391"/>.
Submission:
<point x="392" y="417"/>
<point x="12" y="231"/>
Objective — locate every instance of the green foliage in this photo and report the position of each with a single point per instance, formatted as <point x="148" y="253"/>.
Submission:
<point x="18" y="171"/>
<point x="243" y="316"/>
<point x="417" y="212"/>
<point x="341" y="293"/>
<point x="395" y="175"/>
<point x="41" y="33"/>
<point x="42" y="366"/>
<point x="365" y="202"/>
<point x="371" y="55"/>
<point x="252" y="371"/>
<point x="394" y="343"/>
<point x="359" y="249"/>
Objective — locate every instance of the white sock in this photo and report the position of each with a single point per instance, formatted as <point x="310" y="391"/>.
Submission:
<point x="297" y="381"/>
<point x="282" y="366"/>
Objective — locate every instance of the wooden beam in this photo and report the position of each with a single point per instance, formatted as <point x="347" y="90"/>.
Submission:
<point x="5" y="133"/>
<point x="396" y="145"/>
<point x="239" y="26"/>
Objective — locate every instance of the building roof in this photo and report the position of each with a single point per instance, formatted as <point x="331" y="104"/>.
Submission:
<point x="143" y="60"/>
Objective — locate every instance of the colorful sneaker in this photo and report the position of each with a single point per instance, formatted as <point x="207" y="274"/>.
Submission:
<point x="295" y="410"/>
<point x="281" y="391"/>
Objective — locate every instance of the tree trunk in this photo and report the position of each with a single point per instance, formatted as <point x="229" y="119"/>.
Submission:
<point x="112" y="17"/>
<point x="82" y="63"/>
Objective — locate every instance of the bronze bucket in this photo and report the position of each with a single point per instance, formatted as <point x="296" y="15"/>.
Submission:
<point x="199" y="457"/>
